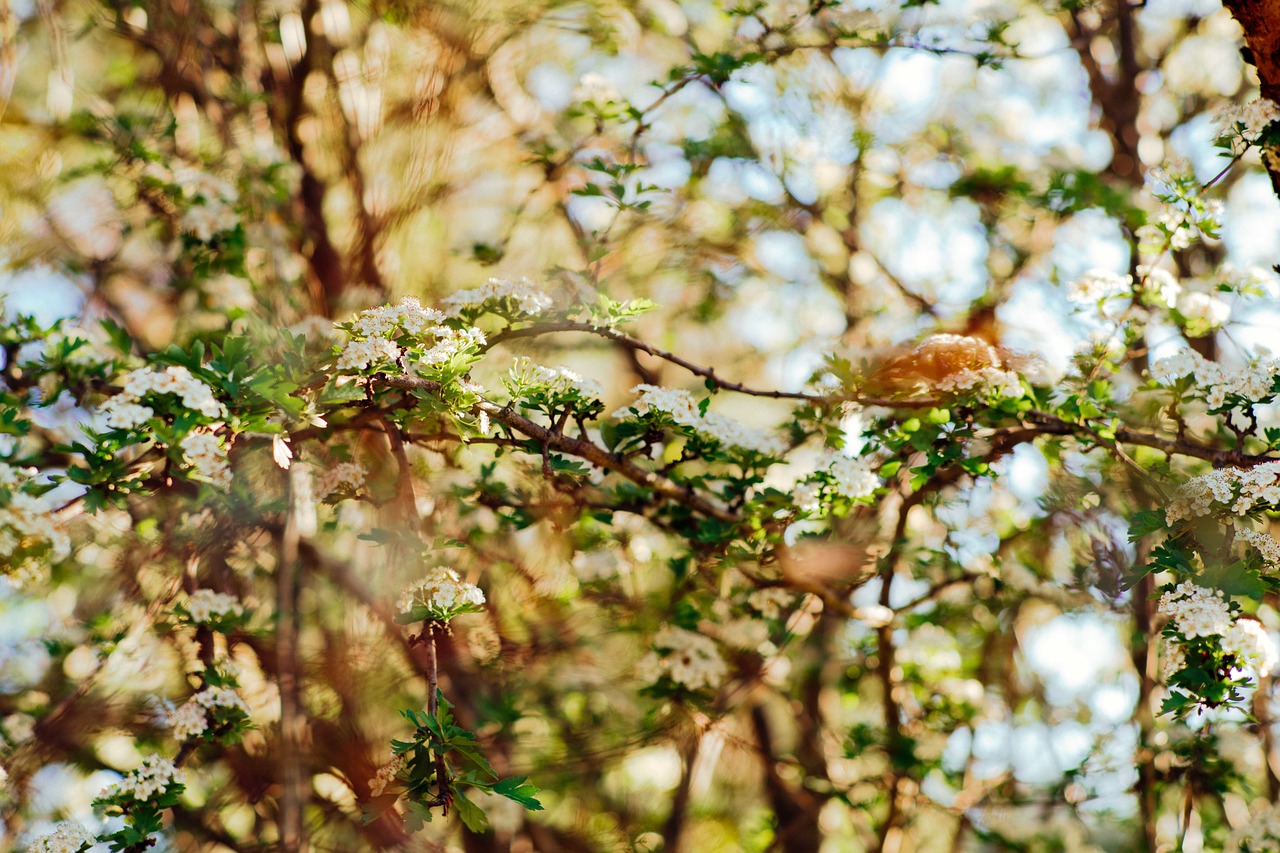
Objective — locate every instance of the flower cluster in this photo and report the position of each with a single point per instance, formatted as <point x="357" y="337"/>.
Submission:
<point x="65" y="838"/>
<point x="684" y="410"/>
<point x="1189" y="215"/>
<point x="1196" y="611"/>
<point x="1199" y="612"/>
<point x="378" y="333"/>
<point x="525" y="296"/>
<point x="556" y="380"/>
<point x="127" y="411"/>
<point x="686" y="658"/>
<point x="1251" y="280"/>
<point x="439" y="596"/>
<point x="211" y="200"/>
<point x="849" y="476"/>
<point x="30" y="536"/>
<point x="1173" y="657"/>
<point x="450" y="342"/>
<point x="361" y="355"/>
<point x="743" y="633"/>
<point x="206" y="606"/>
<point x="592" y="88"/>
<point x="1252" y="646"/>
<point x="343" y="477"/>
<point x="770" y="602"/>
<point x="1159" y="286"/>
<point x="1242" y="125"/>
<point x="1263" y="543"/>
<point x="205" y="453"/>
<point x="1096" y="287"/>
<point x="1260" y="835"/>
<point x="390" y="321"/>
<point x="211" y="707"/>
<point x="153" y="777"/>
<point x="1240" y="490"/>
<point x="386" y="775"/>
<point x="1202" y="312"/>
<point x="1253" y="383"/>
<point x="991" y="381"/>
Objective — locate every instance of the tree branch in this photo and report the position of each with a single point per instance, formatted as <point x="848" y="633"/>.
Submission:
<point x="593" y="453"/>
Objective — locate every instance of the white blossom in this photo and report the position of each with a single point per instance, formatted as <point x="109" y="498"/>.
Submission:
<point x="316" y="329"/>
<point x="385" y="776"/>
<point x="1204" y="309"/>
<point x="1196" y="611"/>
<point x="205" y="453"/>
<point x="1255" y="116"/>
<point x="125" y="410"/>
<point x="343" y="477"/>
<point x="442" y="593"/>
<point x="205" y="606"/>
<point x="1159" y="285"/>
<point x="228" y="291"/>
<point x="741" y="633"/>
<point x="1252" y="646"/>
<point x="1237" y="490"/>
<point x="361" y="355"/>
<point x="1264" y="543"/>
<point x="557" y="379"/>
<point x="528" y="296"/>
<point x="593" y="88"/>
<point x="807" y="496"/>
<point x="1216" y="382"/>
<point x="154" y="776"/>
<point x="1097" y="286"/>
<point x="28" y="528"/>
<point x="770" y="602"/>
<point x="407" y="317"/>
<point x="597" y="565"/>
<point x="449" y="342"/>
<point x="1252" y="279"/>
<point x="211" y="200"/>
<point x="1260" y="835"/>
<point x="685" y="657"/>
<point x="193" y="718"/>
<point x="851" y="476"/>
<point x="1172" y="658"/>
<point x="985" y="380"/>
<point x="683" y="409"/>
<point x="65" y="838"/>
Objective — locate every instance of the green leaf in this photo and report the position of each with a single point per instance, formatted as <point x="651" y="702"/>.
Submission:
<point x="514" y="788"/>
<point x="1175" y="702"/>
<point x="1145" y="522"/>
<point x="1235" y="579"/>
<point x="472" y="815"/>
<point x="118" y="336"/>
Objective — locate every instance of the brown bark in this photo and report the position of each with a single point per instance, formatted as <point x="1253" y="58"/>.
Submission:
<point x="1260" y="20"/>
<point x="1114" y="91"/>
<point x="795" y="809"/>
